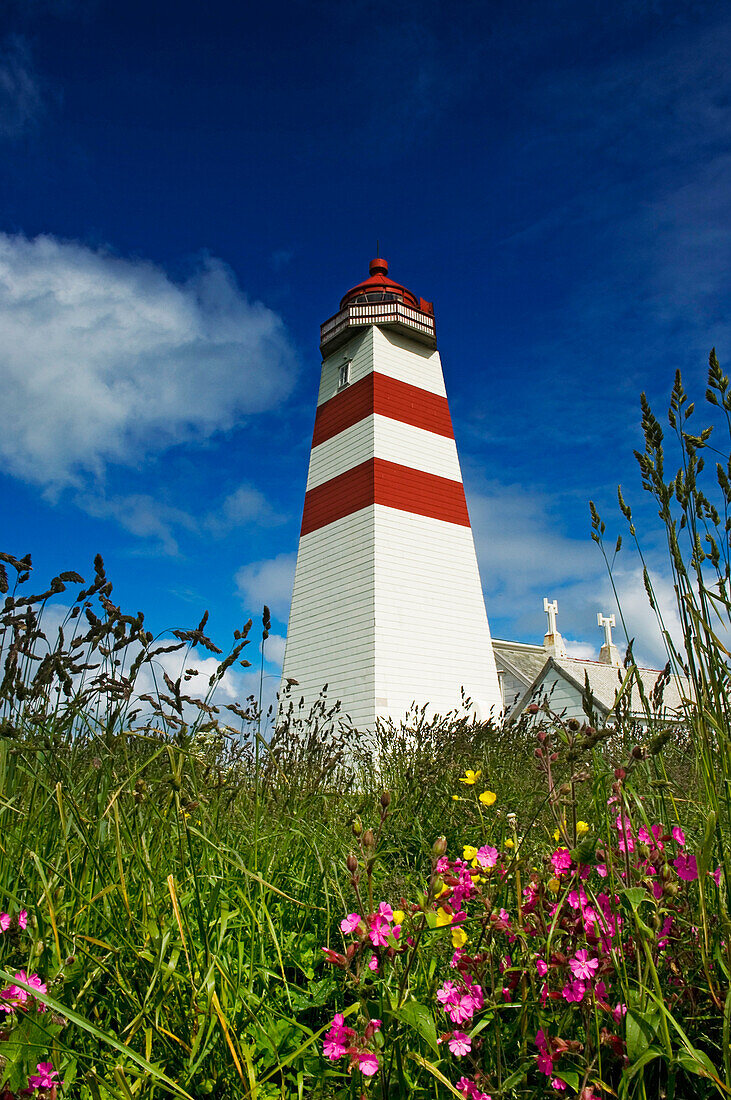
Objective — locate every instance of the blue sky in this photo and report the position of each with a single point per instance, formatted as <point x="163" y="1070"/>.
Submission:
<point x="187" y="190"/>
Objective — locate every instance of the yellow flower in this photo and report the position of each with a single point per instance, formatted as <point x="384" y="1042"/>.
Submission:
<point x="459" y="938"/>
<point x="398" y="916"/>
<point x="487" y="798"/>
<point x="554" y="885"/>
<point x="470" y="777"/>
<point x="508" y="843"/>
<point x="556" y="835"/>
<point x="455" y="798"/>
<point x="469" y="851"/>
<point x="444" y="890"/>
<point x="581" y="828"/>
<point x="443" y="918"/>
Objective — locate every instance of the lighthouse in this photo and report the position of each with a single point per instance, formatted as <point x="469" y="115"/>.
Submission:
<point x="387" y="607"/>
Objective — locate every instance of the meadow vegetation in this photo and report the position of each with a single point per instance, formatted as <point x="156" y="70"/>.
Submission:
<point x="190" y="908"/>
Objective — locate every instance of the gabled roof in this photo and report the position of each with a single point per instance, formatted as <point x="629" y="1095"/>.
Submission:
<point x="523" y="660"/>
<point x="604" y="683"/>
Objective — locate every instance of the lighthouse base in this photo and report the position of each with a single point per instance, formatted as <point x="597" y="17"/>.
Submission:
<point x="388" y="611"/>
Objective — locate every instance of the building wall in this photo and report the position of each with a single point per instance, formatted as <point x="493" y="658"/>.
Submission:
<point x="562" y="696"/>
<point x="331" y="635"/>
<point x="432" y="634"/>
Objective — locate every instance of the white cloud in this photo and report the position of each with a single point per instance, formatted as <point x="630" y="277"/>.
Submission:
<point x="141" y="515"/>
<point x="244" y="505"/>
<point x="524" y="555"/>
<point x="274" y="651"/>
<point x="268" y="582"/>
<point x="20" y="96"/>
<point x="104" y="359"/>
<point x="585" y="651"/>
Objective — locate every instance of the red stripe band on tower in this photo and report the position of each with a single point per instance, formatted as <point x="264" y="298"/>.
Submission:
<point x="379" y="393"/>
<point x="378" y="481"/>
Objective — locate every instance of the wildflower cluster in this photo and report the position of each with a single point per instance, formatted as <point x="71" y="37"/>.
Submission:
<point x="20" y="1003"/>
<point x="341" y="1041"/>
<point x="558" y="947"/>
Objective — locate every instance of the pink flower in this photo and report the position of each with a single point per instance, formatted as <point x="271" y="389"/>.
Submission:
<point x="373" y="963"/>
<point x="460" y="1043"/>
<point x="447" y="993"/>
<point x="716" y="876"/>
<point x="470" y="1091"/>
<point x="679" y="836"/>
<point x="45" y="1078"/>
<point x="487" y="857"/>
<point x="4" y="922"/>
<point x="601" y="870"/>
<point x="332" y="1049"/>
<point x="561" y="860"/>
<point x="582" y="966"/>
<point x="558" y="1084"/>
<point x="379" y="930"/>
<point x="367" y="1063"/>
<point x="686" y="867"/>
<point x="618" y="1012"/>
<point x="18" y="997"/>
<point x="544" y="1061"/>
<point x="574" y="991"/>
<point x="23" y="918"/>
<point x="541" y="967"/>
<point x="351" y="922"/>
<point x="386" y="911"/>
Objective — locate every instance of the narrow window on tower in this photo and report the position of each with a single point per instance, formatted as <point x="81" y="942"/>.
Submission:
<point x="344" y="375"/>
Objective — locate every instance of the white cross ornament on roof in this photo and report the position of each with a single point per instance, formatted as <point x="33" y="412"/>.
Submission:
<point x="607" y="621"/>
<point x="551" y="609"/>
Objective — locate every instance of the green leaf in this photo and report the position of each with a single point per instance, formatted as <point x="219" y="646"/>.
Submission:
<point x="516" y="1078"/>
<point x="641" y="1030"/>
<point x="650" y="1054"/>
<point x="635" y="895"/>
<point x="696" y="1061"/>
<point x="418" y="1016"/>
<point x="571" y="1078"/>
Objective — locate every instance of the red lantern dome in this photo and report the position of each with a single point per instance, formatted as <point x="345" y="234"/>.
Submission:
<point x="379" y="288"/>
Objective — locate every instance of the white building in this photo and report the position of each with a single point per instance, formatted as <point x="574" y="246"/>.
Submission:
<point x="533" y="673"/>
<point x="387" y="608"/>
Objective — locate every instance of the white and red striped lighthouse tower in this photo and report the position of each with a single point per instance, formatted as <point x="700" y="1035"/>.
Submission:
<point x="387" y="607"/>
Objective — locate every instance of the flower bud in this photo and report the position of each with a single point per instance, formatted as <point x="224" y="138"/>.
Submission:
<point x="369" y="841"/>
<point x="620" y="773"/>
<point x="351" y="863"/>
<point x="357" y="826"/>
<point x="671" y="889"/>
<point x="439" y="847"/>
<point x="438" y="884"/>
<point x="532" y="708"/>
<point x="554" y="757"/>
<point x="573" y="724"/>
<point x="385" y="799"/>
<point x="541" y="736"/>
